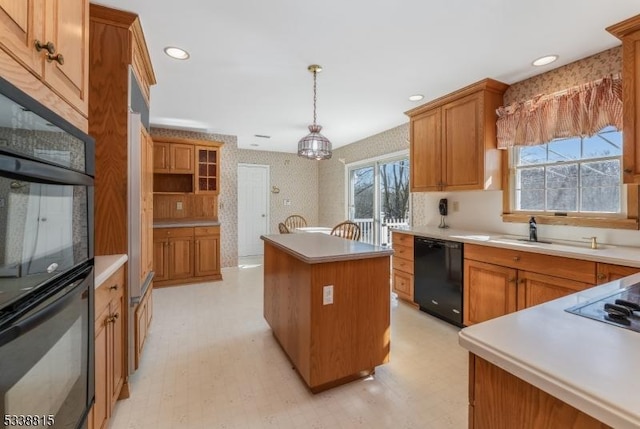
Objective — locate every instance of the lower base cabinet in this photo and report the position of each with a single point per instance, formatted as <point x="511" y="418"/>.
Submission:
<point x="186" y="255"/>
<point x="402" y="261"/>
<point x="110" y="346"/>
<point x="500" y="400"/>
<point x="143" y="316"/>
<point x="500" y="281"/>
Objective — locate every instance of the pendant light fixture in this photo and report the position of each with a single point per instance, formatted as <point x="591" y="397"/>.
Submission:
<point x="314" y="145"/>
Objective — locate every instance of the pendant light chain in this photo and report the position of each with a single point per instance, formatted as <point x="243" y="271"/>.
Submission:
<point x="315" y="97"/>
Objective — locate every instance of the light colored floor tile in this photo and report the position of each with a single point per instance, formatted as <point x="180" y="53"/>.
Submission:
<point x="210" y="361"/>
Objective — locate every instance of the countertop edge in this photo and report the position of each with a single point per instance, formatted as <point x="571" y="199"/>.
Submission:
<point x="185" y="224"/>
<point x="596" y="407"/>
<point x="325" y="259"/>
<point x="106" y="265"/>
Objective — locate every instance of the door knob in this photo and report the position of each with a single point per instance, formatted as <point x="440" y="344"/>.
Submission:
<point x="264" y="215"/>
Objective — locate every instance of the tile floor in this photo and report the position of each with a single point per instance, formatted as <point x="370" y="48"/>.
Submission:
<point x="211" y="361"/>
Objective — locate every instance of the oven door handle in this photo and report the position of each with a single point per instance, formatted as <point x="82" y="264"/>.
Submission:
<point x="31" y="321"/>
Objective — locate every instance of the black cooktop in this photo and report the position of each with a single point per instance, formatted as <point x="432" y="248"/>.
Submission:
<point x="620" y="308"/>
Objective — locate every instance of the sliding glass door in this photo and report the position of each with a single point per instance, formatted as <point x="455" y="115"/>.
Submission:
<point x="379" y="197"/>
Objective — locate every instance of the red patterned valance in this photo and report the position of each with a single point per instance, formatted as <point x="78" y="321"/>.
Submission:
<point x="580" y="111"/>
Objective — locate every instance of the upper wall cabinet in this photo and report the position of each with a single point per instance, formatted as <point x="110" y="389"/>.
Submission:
<point x="453" y="140"/>
<point x="629" y="32"/>
<point x="44" y="51"/>
<point x="172" y="157"/>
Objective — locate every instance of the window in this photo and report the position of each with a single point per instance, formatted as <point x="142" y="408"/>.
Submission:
<point x="570" y="176"/>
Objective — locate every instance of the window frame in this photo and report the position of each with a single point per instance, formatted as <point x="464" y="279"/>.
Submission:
<point x="626" y="219"/>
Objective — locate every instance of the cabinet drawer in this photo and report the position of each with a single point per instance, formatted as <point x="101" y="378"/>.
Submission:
<point x="111" y="288"/>
<point x="403" y="284"/>
<point x="559" y="266"/>
<point x="403" y="264"/>
<point x="402" y="239"/>
<point x="207" y="230"/>
<point x="405" y="252"/>
<point x="172" y="232"/>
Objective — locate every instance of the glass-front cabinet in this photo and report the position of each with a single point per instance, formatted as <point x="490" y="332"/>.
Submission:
<point x="207" y="169"/>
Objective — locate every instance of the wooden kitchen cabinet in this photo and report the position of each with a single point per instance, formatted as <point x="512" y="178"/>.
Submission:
<point x="453" y="140"/>
<point x="110" y="344"/>
<point x="207" y="169"/>
<point x="207" y="257"/>
<point x="57" y="76"/>
<point x="143" y="315"/>
<point x="610" y="272"/>
<point x="500" y="400"/>
<point x="173" y="158"/>
<point x="628" y="32"/>
<point x="402" y="262"/>
<point x="186" y="255"/>
<point x="499" y="281"/>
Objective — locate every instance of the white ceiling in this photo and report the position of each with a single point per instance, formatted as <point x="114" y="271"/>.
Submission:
<point x="248" y="73"/>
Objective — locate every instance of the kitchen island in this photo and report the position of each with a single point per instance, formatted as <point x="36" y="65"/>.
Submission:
<point x="327" y="300"/>
<point x="543" y="367"/>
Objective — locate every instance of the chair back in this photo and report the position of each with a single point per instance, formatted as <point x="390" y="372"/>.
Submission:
<point x="347" y="229"/>
<point x="283" y="228"/>
<point x="295" y="221"/>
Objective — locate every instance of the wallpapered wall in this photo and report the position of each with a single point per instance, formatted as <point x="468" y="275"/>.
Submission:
<point x="297" y="179"/>
<point x="331" y="172"/>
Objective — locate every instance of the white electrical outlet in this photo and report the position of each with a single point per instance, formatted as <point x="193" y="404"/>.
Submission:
<point x="287" y="202"/>
<point x="179" y="205"/>
<point x="327" y="294"/>
<point x="455" y="206"/>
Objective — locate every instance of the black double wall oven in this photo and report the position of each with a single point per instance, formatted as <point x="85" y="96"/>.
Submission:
<point x="46" y="266"/>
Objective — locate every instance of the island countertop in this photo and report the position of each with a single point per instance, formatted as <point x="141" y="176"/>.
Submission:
<point x="590" y="365"/>
<point x="320" y="248"/>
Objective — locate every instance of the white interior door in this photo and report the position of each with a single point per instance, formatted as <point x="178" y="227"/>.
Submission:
<point x="253" y="208"/>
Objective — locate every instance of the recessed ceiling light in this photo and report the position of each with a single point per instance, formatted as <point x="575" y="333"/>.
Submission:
<point x="416" y="97"/>
<point x="254" y="144"/>
<point x="543" y="61"/>
<point x="262" y="136"/>
<point x="177" y="53"/>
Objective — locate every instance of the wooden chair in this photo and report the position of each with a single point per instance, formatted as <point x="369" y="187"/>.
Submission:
<point x="295" y="221"/>
<point x="347" y="229"/>
<point x="283" y="228"/>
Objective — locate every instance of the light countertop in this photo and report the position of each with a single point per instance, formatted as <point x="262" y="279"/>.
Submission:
<point x="184" y="223"/>
<point x="105" y="266"/>
<point x="591" y="365"/>
<point x="613" y="254"/>
<point x="319" y="248"/>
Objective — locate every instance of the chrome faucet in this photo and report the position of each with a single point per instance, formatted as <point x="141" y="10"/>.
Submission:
<point x="533" y="229"/>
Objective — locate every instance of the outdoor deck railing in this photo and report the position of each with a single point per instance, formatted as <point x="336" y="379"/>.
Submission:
<point x="367" y="229"/>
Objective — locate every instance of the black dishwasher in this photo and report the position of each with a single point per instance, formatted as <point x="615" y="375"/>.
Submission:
<point x="438" y="278"/>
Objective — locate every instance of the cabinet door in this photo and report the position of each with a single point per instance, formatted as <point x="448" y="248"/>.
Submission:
<point x="161" y="157"/>
<point x="207" y="173"/>
<point x="426" y="152"/>
<point x="67" y="26"/>
<point x="117" y="348"/>
<point x="140" y="329"/>
<point x="609" y="272"/>
<point x="180" y="258"/>
<point x="21" y="23"/>
<point x="102" y="371"/>
<point x="146" y="204"/>
<point x="207" y="255"/>
<point x="181" y="158"/>
<point x="534" y="288"/>
<point x="489" y="291"/>
<point x="463" y="143"/>
<point x="403" y="285"/>
<point x="161" y="259"/>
